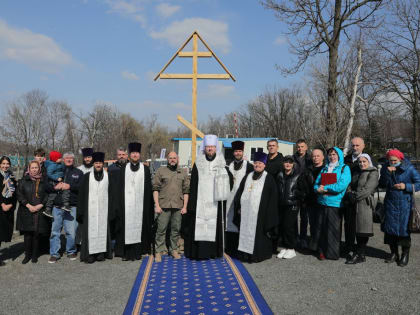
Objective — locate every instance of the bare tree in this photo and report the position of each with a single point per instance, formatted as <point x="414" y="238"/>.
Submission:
<point x="318" y="27"/>
<point x="397" y="51"/>
<point x="24" y="123"/>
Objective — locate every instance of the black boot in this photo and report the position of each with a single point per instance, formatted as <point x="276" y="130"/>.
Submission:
<point x="27" y="241"/>
<point x="356" y="258"/>
<point x="2" y="263"/>
<point x="395" y="257"/>
<point x="91" y="259"/>
<point x="404" y="257"/>
<point x="35" y="250"/>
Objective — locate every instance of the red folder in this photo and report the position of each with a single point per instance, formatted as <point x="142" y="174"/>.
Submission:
<point x="328" y="178"/>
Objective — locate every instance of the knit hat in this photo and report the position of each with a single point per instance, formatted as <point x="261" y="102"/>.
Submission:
<point x="55" y="155"/>
<point x="397" y="153"/>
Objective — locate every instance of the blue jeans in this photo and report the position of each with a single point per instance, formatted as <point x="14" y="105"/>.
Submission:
<point x="68" y="221"/>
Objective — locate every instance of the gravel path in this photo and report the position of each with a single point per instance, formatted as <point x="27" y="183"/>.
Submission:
<point x="302" y="285"/>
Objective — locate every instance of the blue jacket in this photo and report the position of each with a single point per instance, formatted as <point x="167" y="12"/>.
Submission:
<point x="397" y="202"/>
<point x="54" y="170"/>
<point x="335" y="191"/>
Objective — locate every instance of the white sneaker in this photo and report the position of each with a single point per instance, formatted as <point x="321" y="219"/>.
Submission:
<point x="281" y="254"/>
<point x="290" y="253"/>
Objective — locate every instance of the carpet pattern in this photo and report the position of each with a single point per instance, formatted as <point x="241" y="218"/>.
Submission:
<point x="183" y="286"/>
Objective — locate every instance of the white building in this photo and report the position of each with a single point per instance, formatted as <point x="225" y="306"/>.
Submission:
<point x="182" y="146"/>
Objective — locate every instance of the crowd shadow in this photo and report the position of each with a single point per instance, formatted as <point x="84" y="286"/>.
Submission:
<point x="16" y="250"/>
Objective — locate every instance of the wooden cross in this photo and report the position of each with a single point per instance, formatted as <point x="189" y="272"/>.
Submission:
<point x="194" y="54"/>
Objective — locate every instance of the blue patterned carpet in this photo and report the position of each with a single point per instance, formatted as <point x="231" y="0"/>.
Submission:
<point x="216" y="286"/>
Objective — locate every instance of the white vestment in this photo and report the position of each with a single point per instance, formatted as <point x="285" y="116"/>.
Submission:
<point x="250" y="204"/>
<point x="237" y="178"/>
<point x="98" y="214"/>
<point x="206" y="211"/>
<point x="133" y="196"/>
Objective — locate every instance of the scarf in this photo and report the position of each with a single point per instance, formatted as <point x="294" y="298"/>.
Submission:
<point x="367" y="157"/>
<point x="37" y="175"/>
<point x="9" y="186"/>
<point x="331" y="166"/>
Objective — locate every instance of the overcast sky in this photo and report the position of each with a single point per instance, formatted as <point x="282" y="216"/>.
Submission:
<point x="108" y="51"/>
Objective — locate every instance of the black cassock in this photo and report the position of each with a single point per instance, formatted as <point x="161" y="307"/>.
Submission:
<point x="82" y="216"/>
<point x="201" y="249"/>
<point x="133" y="251"/>
<point x="267" y="222"/>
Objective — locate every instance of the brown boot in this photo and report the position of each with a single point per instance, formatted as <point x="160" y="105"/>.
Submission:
<point x="175" y="254"/>
<point x="158" y="257"/>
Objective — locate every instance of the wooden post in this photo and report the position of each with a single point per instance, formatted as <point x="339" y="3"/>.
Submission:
<point x="195" y="54"/>
<point x="194" y="100"/>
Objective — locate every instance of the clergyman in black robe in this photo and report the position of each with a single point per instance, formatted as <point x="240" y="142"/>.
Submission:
<point x="203" y="220"/>
<point x="95" y="211"/>
<point x="238" y="169"/>
<point x="256" y="213"/>
<point x="134" y="208"/>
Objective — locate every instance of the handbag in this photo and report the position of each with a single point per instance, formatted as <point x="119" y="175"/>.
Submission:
<point x="414" y="222"/>
<point x="379" y="211"/>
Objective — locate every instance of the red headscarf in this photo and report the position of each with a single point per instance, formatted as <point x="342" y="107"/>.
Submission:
<point x="397" y="153"/>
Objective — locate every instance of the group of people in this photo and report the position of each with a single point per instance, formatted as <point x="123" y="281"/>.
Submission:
<point x="247" y="209"/>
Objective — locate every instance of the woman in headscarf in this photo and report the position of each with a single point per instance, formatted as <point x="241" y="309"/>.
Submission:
<point x="331" y="185"/>
<point x="7" y="201"/>
<point x="361" y="196"/>
<point x="399" y="178"/>
<point x="32" y="198"/>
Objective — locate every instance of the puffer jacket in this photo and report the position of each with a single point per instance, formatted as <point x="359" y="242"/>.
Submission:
<point x="335" y="192"/>
<point x="290" y="188"/>
<point x="397" y="202"/>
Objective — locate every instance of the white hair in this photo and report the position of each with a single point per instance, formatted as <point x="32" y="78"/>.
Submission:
<point x="68" y="154"/>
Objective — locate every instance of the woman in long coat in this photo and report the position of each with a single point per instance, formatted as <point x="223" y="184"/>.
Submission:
<point x="398" y="176"/>
<point x="32" y="197"/>
<point x="7" y="201"/>
<point x="363" y="185"/>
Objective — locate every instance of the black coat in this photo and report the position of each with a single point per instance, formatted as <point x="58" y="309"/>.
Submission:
<point x="274" y="166"/>
<point x="72" y="176"/>
<point x="308" y="178"/>
<point x="302" y="164"/>
<point x="27" y="221"/>
<point x="7" y="217"/>
<point x="290" y="188"/>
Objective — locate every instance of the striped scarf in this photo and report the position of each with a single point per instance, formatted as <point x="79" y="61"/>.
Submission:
<point x="9" y="186"/>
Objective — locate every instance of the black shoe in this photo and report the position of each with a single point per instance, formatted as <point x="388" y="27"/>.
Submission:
<point x="34" y="260"/>
<point x="91" y="259"/>
<point x="2" y="263"/>
<point x="356" y="259"/>
<point x="404" y="259"/>
<point x="48" y="213"/>
<point x="26" y="260"/>
<point x="393" y="258"/>
<point x="100" y="257"/>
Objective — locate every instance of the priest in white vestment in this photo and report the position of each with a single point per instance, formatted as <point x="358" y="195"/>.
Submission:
<point x="209" y="190"/>
<point x="256" y="212"/>
<point x="238" y="169"/>
<point x="94" y="212"/>
<point x="134" y="208"/>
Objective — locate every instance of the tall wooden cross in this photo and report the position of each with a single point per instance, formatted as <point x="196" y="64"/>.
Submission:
<point x="194" y="54"/>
